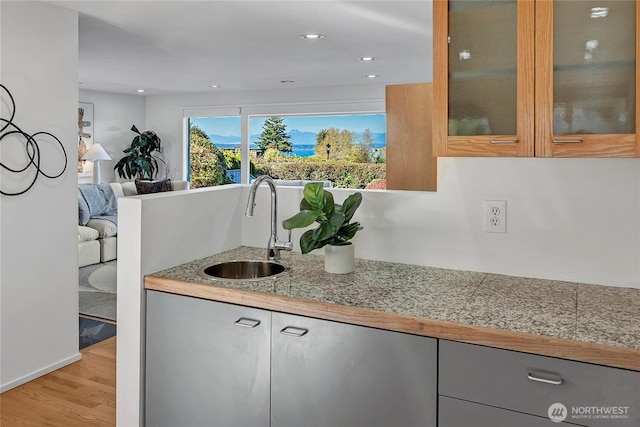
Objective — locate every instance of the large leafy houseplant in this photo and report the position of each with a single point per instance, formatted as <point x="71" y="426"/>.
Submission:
<point x="140" y="161"/>
<point x="335" y="226"/>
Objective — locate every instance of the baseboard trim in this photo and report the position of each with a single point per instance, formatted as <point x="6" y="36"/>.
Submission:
<point x="40" y="372"/>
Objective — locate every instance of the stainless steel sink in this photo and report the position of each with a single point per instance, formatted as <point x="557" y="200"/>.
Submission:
<point x="243" y="270"/>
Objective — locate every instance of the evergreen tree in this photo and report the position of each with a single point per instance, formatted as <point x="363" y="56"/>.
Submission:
<point x="274" y="135"/>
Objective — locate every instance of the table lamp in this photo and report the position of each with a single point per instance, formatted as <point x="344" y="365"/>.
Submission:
<point x="96" y="153"/>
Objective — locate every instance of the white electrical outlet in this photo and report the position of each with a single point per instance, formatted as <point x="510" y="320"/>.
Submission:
<point x="495" y="216"/>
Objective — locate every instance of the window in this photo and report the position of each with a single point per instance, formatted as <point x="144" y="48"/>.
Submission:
<point x="347" y="150"/>
<point x="288" y="142"/>
<point x="213" y="151"/>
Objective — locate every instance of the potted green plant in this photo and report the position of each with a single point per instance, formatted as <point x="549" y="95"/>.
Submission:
<point x="141" y="163"/>
<point x="335" y="229"/>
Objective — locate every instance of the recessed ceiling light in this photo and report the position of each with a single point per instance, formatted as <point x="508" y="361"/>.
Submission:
<point x="599" y="12"/>
<point x="371" y="76"/>
<point x="140" y="90"/>
<point x="287" y="82"/>
<point x="591" y="45"/>
<point x="367" y="58"/>
<point x="312" y="36"/>
<point x="215" y="86"/>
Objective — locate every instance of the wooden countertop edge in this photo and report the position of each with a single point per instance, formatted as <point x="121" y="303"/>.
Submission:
<point x="537" y="344"/>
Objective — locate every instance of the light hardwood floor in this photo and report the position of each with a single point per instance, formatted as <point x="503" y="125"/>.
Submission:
<point x="81" y="394"/>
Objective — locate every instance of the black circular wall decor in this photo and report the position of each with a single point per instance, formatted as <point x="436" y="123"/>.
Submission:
<point x="31" y="145"/>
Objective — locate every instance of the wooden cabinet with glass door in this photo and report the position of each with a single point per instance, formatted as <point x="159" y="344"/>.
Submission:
<point x="483" y="78"/>
<point x="536" y="78"/>
<point x="587" y="78"/>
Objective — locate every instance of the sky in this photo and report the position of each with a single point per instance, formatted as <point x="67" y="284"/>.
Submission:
<point x="228" y="126"/>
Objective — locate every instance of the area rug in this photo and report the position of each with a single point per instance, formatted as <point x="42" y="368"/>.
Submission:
<point x="93" y="331"/>
<point x="97" y="286"/>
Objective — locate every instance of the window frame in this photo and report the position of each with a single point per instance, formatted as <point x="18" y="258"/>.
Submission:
<point x="333" y="108"/>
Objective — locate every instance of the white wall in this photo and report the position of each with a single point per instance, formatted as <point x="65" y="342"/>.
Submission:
<point x="38" y="252"/>
<point x="568" y="219"/>
<point x="113" y="115"/>
<point x="156" y="232"/>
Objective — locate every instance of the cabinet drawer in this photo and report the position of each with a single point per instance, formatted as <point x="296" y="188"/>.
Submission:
<point x="457" y="413"/>
<point x="593" y="395"/>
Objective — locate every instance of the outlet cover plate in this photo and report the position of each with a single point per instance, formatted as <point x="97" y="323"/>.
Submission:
<point x="495" y="216"/>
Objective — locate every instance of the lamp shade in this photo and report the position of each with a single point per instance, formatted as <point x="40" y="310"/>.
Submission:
<point x="96" y="152"/>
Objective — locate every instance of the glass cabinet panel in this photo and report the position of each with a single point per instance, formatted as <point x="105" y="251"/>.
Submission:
<point x="482" y="68"/>
<point x="594" y="67"/>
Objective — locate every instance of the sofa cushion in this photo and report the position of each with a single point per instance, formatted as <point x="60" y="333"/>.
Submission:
<point x="117" y="189"/>
<point x="88" y="253"/>
<point x="86" y="234"/>
<point x="83" y="210"/>
<point x="129" y="189"/>
<point x="100" y="198"/>
<point x="104" y="227"/>
<point x="108" y="249"/>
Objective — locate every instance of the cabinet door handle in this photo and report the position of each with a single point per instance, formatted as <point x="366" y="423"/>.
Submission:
<point x="567" y="141"/>
<point x="551" y="381"/>
<point x="245" y="322"/>
<point x="292" y="331"/>
<point x="504" y="141"/>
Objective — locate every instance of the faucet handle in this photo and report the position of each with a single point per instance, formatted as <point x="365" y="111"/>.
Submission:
<point x="285" y="246"/>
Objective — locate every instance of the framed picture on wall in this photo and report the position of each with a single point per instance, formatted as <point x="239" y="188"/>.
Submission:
<point x="85" y="137"/>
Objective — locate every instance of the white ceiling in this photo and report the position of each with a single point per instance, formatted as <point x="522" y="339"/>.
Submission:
<point x="186" y="46"/>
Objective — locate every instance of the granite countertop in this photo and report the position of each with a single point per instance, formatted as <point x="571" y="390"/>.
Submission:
<point x="572" y="320"/>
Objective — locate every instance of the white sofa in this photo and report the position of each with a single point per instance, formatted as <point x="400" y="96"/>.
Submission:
<point x="97" y="239"/>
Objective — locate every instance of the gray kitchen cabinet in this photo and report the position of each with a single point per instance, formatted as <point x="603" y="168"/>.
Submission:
<point x="207" y="363"/>
<point x="203" y="368"/>
<point x="591" y="395"/>
<point x="461" y="413"/>
<point x="332" y="374"/>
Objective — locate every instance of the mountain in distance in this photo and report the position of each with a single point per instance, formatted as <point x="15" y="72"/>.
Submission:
<point x="302" y="137"/>
<point x="298" y="137"/>
<point x="224" y="139"/>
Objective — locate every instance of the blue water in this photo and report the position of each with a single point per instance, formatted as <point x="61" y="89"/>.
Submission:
<point x="300" y="150"/>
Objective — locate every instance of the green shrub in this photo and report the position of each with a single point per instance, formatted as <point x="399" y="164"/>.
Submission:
<point x="233" y="158"/>
<point x="208" y="164"/>
<point x="342" y="174"/>
<point x="207" y="168"/>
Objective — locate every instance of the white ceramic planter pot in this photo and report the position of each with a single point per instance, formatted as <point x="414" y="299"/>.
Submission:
<point x="339" y="259"/>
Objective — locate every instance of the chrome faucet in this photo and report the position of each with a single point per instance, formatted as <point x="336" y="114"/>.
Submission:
<point x="273" y="246"/>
